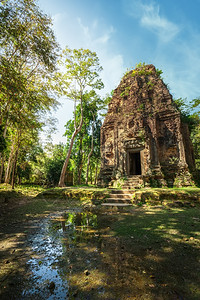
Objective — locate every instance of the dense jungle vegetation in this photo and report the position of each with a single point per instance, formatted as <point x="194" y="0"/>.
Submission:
<point x="30" y="86"/>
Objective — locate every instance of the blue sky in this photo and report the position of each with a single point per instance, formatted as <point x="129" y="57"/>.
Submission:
<point x="126" y="32"/>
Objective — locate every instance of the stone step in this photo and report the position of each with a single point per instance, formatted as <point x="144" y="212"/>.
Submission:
<point x="117" y="200"/>
<point x="121" y="196"/>
<point x="133" y="180"/>
<point x="135" y="176"/>
<point x="128" y="185"/>
<point x="124" y="191"/>
<point x="134" y="187"/>
<point x="116" y="204"/>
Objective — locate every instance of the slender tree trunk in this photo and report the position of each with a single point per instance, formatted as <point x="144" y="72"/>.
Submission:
<point x="9" y="166"/>
<point x="4" y="135"/>
<point x="96" y="173"/>
<point x="81" y="163"/>
<point x="64" y="168"/>
<point x="2" y="168"/>
<point x="76" y="131"/>
<point x="79" y="173"/>
<point x="88" y="164"/>
<point x="14" y="169"/>
<point x="91" y="151"/>
<point x="91" y="174"/>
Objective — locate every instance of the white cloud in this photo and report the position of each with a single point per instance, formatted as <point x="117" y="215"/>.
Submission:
<point x="76" y="33"/>
<point x="97" y="39"/>
<point x="150" y="18"/>
<point x="93" y="36"/>
<point x="186" y="72"/>
<point x="85" y="29"/>
<point x="113" y="71"/>
<point x="58" y="17"/>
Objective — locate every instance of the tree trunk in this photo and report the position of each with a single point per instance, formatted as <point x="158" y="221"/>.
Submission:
<point x="64" y="168"/>
<point x="96" y="173"/>
<point x="76" y="131"/>
<point x="91" y="151"/>
<point x="79" y="173"/>
<point x="81" y="164"/>
<point x="91" y="174"/>
<point x="2" y="168"/>
<point x="1" y="153"/>
<point x="14" y="168"/>
<point x="9" y="166"/>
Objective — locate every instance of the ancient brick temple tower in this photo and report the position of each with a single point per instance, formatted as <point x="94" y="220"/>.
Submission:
<point x="143" y="136"/>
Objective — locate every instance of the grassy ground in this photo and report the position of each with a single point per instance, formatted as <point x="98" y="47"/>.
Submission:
<point x="149" y="250"/>
<point x="170" y="197"/>
<point x="162" y="246"/>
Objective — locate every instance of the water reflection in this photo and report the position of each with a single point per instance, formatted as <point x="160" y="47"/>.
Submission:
<point x="54" y="248"/>
<point x="82" y="256"/>
<point x="79" y="255"/>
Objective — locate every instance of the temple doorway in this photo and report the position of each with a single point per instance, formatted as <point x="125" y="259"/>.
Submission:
<point x="134" y="163"/>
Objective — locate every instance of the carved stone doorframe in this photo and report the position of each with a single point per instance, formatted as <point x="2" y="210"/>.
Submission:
<point x="129" y="152"/>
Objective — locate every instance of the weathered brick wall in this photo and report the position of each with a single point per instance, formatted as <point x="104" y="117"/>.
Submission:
<point x="143" y="118"/>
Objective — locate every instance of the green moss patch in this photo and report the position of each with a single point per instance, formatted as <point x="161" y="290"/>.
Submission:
<point x="171" y="197"/>
<point x="88" y="195"/>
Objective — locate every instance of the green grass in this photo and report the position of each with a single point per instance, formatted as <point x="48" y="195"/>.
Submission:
<point x="156" y="224"/>
<point x="164" y="244"/>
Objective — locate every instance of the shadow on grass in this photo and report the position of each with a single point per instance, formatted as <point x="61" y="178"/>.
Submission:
<point x="164" y="246"/>
<point x="149" y="254"/>
<point x="152" y="254"/>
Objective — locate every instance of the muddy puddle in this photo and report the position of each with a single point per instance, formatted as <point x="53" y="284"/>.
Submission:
<point x="79" y="255"/>
<point x="76" y="256"/>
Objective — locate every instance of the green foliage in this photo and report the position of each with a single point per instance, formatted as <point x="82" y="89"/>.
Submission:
<point x="126" y="92"/>
<point x="190" y="116"/>
<point x="53" y="163"/>
<point x="141" y="70"/>
<point x="195" y="104"/>
<point x="141" y="107"/>
<point x="27" y="60"/>
<point x="159" y="72"/>
<point x="2" y="140"/>
<point x="82" y="145"/>
<point x="187" y="115"/>
<point x="23" y="172"/>
<point x="140" y="65"/>
<point x="150" y="85"/>
<point x="128" y="70"/>
<point x="82" y="70"/>
<point x="53" y="169"/>
<point x="26" y="32"/>
<point x="81" y="76"/>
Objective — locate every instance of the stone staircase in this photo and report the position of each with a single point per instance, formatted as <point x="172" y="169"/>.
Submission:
<point x="122" y="197"/>
<point x="119" y="198"/>
<point x="134" y="181"/>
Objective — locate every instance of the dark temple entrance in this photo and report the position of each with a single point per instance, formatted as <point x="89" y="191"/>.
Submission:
<point x="134" y="163"/>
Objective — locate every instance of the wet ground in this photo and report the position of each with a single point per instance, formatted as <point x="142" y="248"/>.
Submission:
<point x="74" y="254"/>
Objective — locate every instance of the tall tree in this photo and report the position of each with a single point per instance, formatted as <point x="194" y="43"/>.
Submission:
<point x="82" y="150"/>
<point x="82" y="74"/>
<point x="28" y="53"/>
